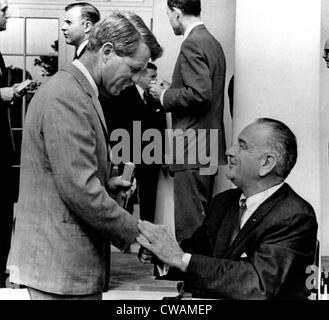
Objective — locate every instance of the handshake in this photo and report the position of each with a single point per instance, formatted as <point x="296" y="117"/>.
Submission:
<point x="157" y="242"/>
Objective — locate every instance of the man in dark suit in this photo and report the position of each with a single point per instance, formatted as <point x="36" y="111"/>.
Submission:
<point x="260" y="250"/>
<point x="135" y="106"/>
<point x="66" y="215"/>
<point x="196" y="101"/>
<point x="7" y="95"/>
<point x="79" y="19"/>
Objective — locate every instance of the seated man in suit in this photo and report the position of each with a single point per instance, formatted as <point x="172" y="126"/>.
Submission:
<point x="257" y="251"/>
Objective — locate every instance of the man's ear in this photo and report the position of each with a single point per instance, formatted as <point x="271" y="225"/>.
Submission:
<point x="107" y="50"/>
<point x="178" y="13"/>
<point x="88" y="26"/>
<point x="267" y="164"/>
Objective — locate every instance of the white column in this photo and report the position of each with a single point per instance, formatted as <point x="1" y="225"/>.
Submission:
<point x="277" y="75"/>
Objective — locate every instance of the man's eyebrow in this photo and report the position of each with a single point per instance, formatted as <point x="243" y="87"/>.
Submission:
<point x="241" y="141"/>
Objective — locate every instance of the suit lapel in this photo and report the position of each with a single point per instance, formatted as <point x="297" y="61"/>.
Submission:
<point x="256" y="217"/>
<point x="226" y="229"/>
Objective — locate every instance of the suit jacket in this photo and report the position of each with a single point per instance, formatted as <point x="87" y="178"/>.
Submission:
<point x="65" y="217"/>
<point x="196" y="95"/>
<point x="268" y="258"/>
<point x="121" y="111"/>
<point x="5" y="128"/>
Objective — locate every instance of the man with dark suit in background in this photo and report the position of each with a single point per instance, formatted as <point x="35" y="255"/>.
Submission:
<point x="135" y="106"/>
<point x="66" y="217"/>
<point x="195" y="100"/>
<point x="7" y="198"/>
<point x="79" y="19"/>
<point x="256" y="241"/>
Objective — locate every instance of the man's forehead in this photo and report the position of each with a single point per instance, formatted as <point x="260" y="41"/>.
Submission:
<point x="141" y="57"/>
<point x="255" y="132"/>
<point x="74" y="12"/>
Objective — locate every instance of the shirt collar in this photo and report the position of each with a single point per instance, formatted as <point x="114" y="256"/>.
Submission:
<point x="253" y="202"/>
<point x="81" y="47"/>
<point x="140" y="90"/>
<point x="86" y="73"/>
<point x="191" y="27"/>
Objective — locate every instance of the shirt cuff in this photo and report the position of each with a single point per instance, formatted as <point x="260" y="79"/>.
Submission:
<point x="162" y="96"/>
<point x="186" y="260"/>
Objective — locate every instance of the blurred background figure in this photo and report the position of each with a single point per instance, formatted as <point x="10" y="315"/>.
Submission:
<point x="7" y="195"/>
<point x="326" y="53"/>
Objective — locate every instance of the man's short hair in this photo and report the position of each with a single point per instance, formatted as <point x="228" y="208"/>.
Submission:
<point x="88" y="11"/>
<point x="117" y="30"/>
<point x="188" y="7"/>
<point x="284" y="143"/>
<point x="156" y="50"/>
<point x="152" y="66"/>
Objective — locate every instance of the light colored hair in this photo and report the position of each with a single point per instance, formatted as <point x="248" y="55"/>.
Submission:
<point x="117" y="30"/>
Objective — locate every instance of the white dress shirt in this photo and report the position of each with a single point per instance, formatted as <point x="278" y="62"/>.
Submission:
<point x="253" y="202"/>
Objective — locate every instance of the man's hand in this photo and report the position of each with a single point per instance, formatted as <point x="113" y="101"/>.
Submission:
<point x="117" y="184"/>
<point x="9" y="93"/>
<point x="155" y="90"/>
<point x="158" y="240"/>
<point x="145" y="256"/>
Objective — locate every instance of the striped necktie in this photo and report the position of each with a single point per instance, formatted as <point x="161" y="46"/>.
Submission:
<point x="242" y="210"/>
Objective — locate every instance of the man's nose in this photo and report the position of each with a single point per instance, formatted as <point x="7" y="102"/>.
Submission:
<point x="230" y="152"/>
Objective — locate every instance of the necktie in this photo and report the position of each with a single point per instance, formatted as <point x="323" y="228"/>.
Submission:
<point x="145" y="97"/>
<point x="242" y="210"/>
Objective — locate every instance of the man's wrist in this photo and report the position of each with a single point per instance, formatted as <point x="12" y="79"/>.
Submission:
<point x="186" y="257"/>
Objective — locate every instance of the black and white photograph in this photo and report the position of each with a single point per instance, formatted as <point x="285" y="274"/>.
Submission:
<point x="164" y="150"/>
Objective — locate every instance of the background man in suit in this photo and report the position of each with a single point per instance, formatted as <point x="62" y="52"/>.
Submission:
<point x="136" y="104"/>
<point x="325" y="55"/>
<point x="7" y="199"/>
<point x="196" y="101"/>
<point x="257" y="251"/>
<point x="66" y="217"/>
<point x="79" y="19"/>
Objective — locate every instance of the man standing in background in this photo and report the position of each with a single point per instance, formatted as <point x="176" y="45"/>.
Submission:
<point x="7" y="95"/>
<point x="79" y="19"/>
<point x="196" y="101"/>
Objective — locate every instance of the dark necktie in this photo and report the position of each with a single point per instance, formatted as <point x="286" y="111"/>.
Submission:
<point x="242" y="210"/>
<point x="145" y="97"/>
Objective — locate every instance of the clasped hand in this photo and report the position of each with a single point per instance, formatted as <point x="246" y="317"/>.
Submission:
<point x="117" y="184"/>
<point x="157" y="240"/>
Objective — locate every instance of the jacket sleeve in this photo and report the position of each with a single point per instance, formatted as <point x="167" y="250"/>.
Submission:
<point x="285" y="248"/>
<point x="193" y="73"/>
<point x="71" y="147"/>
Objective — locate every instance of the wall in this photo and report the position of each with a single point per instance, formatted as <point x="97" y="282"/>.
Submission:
<point x="277" y="65"/>
<point x="324" y="129"/>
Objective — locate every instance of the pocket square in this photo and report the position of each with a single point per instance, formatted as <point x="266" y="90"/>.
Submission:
<point x="243" y="255"/>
